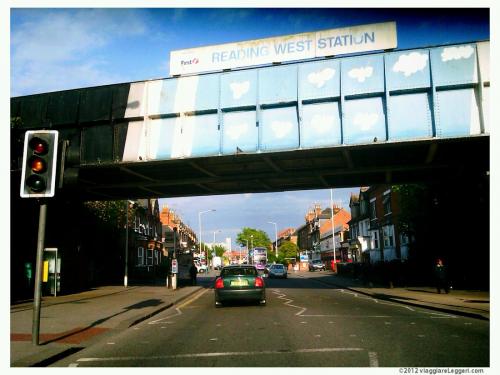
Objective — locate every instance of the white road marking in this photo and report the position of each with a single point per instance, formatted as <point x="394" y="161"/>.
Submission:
<point x="373" y="358"/>
<point x="163" y="320"/>
<point x="111" y="343"/>
<point x="73" y="365"/>
<point x="214" y="339"/>
<point x="178" y="309"/>
<point x="225" y="354"/>
<point x="288" y="302"/>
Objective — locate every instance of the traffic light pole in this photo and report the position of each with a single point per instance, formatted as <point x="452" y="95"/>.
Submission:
<point x="35" y="336"/>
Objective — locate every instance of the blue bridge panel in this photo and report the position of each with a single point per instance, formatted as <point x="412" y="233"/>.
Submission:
<point x="320" y="125"/>
<point x="410" y="116"/>
<point x="408" y="70"/>
<point x="279" y="129"/>
<point x="278" y="84"/>
<point x="239" y="89"/>
<point x="363" y="75"/>
<point x="319" y="80"/>
<point x="454" y="65"/>
<point x="364" y="121"/>
<point x="457" y="120"/>
<point x="239" y="132"/>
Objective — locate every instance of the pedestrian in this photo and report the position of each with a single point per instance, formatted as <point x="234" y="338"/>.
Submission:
<point x="440" y="273"/>
<point x="192" y="273"/>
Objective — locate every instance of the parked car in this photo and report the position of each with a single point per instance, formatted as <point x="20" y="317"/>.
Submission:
<point x="239" y="283"/>
<point x="316" y="265"/>
<point x="201" y="268"/>
<point x="278" y="270"/>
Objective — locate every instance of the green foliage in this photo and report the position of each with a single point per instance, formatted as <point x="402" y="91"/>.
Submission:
<point x="110" y="212"/>
<point x="286" y="250"/>
<point x="260" y="238"/>
<point x="219" y="250"/>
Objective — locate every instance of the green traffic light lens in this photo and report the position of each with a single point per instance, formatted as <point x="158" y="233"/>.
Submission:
<point x="36" y="183"/>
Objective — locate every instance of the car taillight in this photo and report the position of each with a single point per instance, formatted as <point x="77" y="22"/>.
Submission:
<point x="259" y="282"/>
<point x="219" y="283"/>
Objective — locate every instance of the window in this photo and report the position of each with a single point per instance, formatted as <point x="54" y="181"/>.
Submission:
<point x="363" y="207"/>
<point x="388" y="232"/>
<point x="375" y="239"/>
<point x="150" y="257"/>
<point x="387" y="202"/>
<point x="373" y="209"/>
<point x="140" y="256"/>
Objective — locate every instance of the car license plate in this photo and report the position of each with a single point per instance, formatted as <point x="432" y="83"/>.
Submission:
<point x="239" y="282"/>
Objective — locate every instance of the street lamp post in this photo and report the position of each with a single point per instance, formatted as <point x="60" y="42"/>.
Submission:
<point x="275" y="237"/>
<point x="333" y="232"/>
<point x="213" y="244"/>
<point x="199" y="222"/>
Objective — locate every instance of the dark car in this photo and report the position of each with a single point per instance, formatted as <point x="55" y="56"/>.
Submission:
<point x="316" y="265"/>
<point x="277" y="270"/>
<point x="239" y="283"/>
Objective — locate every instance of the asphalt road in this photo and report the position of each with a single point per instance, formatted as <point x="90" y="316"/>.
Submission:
<point x="305" y="323"/>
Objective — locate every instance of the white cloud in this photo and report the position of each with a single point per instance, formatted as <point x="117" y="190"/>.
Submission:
<point x="239" y="88"/>
<point x="365" y="121"/>
<point x="319" y="78"/>
<point x="456" y="53"/>
<point x="322" y="124"/>
<point x="236" y="131"/>
<point x="411" y="63"/>
<point x="56" y="49"/>
<point x="281" y="128"/>
<point x="361" y="74"/>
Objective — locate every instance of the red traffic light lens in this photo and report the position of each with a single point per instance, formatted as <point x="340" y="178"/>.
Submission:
<point x="37" y="165"/>
<point x="36" y="183"/>
<point x="39" y="146"/>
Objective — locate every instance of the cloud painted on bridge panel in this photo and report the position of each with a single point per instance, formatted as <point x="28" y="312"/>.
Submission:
<point x="236" y="131"/>
<point x="365" y="121"/>
<point x="361" y="74"/>
<point x="319" y="78"/>
<point x="281" y="128"/>
<point x="411" y="63"/>
<point x="322" y="123"/>
<point x="456" y="53"/>
<point x="239" y="89"/>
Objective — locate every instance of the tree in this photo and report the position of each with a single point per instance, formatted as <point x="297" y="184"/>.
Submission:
<point x="112" y="212"/>
<point x="218" y="250"/>
<point x="259" y="239"/>
<point x="286" y="251"/>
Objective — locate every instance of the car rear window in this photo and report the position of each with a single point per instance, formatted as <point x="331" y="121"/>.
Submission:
<point x="278" y="267"/>
<point x="239" y="271"/>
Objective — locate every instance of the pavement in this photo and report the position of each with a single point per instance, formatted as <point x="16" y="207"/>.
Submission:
<point x="72" y="322"/>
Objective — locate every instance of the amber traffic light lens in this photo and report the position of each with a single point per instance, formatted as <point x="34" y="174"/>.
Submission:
<point x="37" y="165"/>
<point x="36" y="183"/>
<point x="39" y="146"/>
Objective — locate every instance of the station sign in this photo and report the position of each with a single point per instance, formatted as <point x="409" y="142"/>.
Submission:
<point x="332" y="42"/>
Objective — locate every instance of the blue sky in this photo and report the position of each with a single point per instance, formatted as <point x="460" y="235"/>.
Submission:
<point x="57" y="49"/>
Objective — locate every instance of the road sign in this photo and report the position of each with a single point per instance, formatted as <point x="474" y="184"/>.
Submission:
<point x="174" y="266"/>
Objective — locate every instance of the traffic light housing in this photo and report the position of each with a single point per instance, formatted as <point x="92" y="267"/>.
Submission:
<point x="39" y="164"/>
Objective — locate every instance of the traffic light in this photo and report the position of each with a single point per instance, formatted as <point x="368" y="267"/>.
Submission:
<point x="39" y="164"/>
